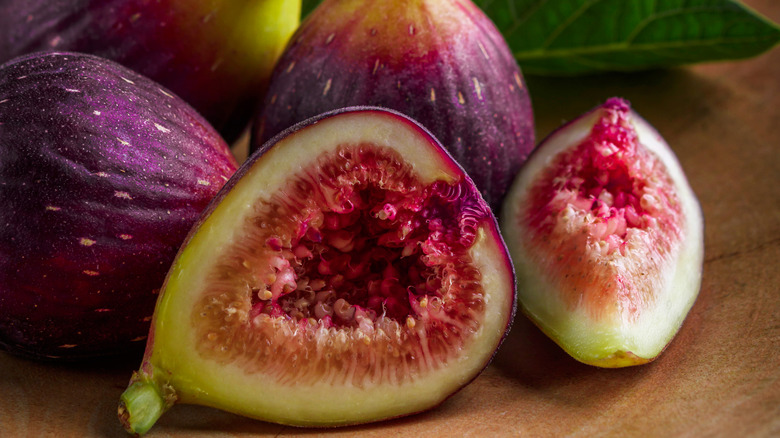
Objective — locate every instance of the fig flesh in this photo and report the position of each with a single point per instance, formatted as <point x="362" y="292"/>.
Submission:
<point x="215" y="54"/>
<point x="102" y="173"/>
<point x="606" y="236"/>
<point x="441" y="62"/>
<point x="350" y="259"/>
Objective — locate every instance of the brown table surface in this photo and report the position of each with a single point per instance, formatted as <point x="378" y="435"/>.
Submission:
<point x="720" y="376"/>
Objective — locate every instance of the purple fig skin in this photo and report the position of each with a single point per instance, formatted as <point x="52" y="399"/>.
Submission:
<point x="102" y="174"/>
<point x="210" y="53"/>
<point x="441" y="62"/>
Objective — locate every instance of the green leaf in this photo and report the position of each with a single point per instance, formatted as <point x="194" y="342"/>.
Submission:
<point x="308" y="6"/>
<point x="567" y="37"/>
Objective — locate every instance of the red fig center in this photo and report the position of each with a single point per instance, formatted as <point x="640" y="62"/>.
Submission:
<point x="612" y="196"/>
<point x="354" y="254"/>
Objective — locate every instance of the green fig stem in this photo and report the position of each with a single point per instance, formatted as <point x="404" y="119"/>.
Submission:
<point x="141" y="405"/>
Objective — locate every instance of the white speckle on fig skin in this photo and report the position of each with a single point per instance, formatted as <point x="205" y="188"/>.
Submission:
<point x="518" y="81"/>
<point x="327" y="87"/>
<point x="162" y="128"/>
<point x="484" y="52"/>
<point x="84" y="241"/>
<point x="165" y="93"/>
<point x="477" y="88"/>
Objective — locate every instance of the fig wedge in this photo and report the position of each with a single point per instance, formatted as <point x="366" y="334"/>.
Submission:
<point x="351" y="259"/>
<point x="607" y="238"/>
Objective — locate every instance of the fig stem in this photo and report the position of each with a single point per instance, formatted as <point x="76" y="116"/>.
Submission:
<point x="140" y="406"/>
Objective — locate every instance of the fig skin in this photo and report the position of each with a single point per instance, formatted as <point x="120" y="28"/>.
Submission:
<point x="611" y="307"/>
<point x="216" y="55"/>
<point x="102" y="174"/>
<point x="173" y="371"/>
<point x="441" y="62"/>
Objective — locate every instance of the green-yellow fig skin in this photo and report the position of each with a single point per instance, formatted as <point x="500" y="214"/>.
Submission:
<point x="441" y="62"/>
<point x="215" y="54"/>
<point x="172" y="371"/>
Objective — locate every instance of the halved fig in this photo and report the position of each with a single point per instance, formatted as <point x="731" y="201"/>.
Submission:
<point x="349" y="272"/>
<point x="606" y="237"/>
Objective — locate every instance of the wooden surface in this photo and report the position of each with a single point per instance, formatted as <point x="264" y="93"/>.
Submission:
<point x="719" y="377"/>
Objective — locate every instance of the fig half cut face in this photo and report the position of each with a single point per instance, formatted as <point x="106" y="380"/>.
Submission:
<point x="349" y="272"/>
<point x="607" y="238"/>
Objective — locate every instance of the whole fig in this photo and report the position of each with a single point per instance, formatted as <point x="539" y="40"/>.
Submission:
<point x="441" y="62"/>
<point x="102" y="174"/>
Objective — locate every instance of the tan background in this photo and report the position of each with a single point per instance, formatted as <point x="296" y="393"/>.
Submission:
<point x="720" y="376"/>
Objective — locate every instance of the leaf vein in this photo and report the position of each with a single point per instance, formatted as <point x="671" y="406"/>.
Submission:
<point x="566" y="23"/>
<point x="617" y="47"/>
<point x="666" y="14"/>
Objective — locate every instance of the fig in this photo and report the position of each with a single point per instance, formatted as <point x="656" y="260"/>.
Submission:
<point x="102" y="174"/>
<point x="441" y="62"/>
<point x="215" y="54"/>
<point x="606" y="236"/>
<point x="350" y="259"/>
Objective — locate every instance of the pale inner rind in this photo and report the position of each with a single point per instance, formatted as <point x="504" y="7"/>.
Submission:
<point x="229" y="386"/>
<point x="604" y="340"/>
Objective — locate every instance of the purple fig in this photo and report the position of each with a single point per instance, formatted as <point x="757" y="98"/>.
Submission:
<point x="217" y="55"/>
<point x="102" y="174"/>
<point x="441" y="62"/>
